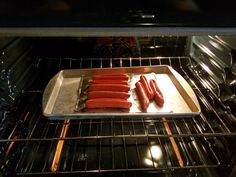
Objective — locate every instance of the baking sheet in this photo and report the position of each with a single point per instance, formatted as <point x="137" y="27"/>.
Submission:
<point x="65" y="94"/>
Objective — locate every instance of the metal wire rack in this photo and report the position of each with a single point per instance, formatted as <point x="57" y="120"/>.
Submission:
<point x="121" y="144"/>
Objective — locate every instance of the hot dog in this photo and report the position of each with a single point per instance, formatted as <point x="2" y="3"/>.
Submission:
<point x="155" y="86"/>
<point x="146" y="87"/>
<point x="109" y="87"/>
<point x="102" y="110"/>
<point x="158" y="99"/>
<point x="111" y="77"/>
<point x="158" y="96"/>
<point x="108" y="103"/>
<point x="142" y="97"/>
<point x="108" y="82"/>
<point x="107" y="94"/>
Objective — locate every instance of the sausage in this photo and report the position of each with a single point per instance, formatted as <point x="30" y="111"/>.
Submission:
<point x="107" y="94"/>
<point x="158" y="99"/>
<point x="111" y="77"/>
<point x="146" y="87"/>
<point x="108" y="103"/>
<point x="158" y="96"/>
<point x="105" y="110"/>
<point x="108" y="82"/>
<point x="109" y="87"/>
<point x="154" y="86"/>
<point x="143" y="99"/>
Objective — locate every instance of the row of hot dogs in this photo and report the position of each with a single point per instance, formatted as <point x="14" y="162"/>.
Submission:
<point x="113" y="91"/>
<point x="106" y="92"/>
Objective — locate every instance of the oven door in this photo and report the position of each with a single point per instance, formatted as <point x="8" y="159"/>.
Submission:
<point x="90" y="18"/>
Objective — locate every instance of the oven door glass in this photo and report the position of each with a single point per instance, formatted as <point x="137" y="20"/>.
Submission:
<point x="117" y="13"/>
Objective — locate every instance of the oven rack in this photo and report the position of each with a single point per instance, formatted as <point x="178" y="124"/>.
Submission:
<point x="195" y="136"/>
<point x="101" y="141"/>
<point x="154" y="128"/>
<point x="92" y="137"/>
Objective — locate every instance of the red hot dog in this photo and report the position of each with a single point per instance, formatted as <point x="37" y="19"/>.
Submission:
<point x="111" y="77"/>
<point x="109" y="87"/>
<point x="143" y="99"/>
<point x="108" y="103"/>
<point x="158" y="99"/>
<point x="108" y="94"/>
<point x="147" y="87"/>
<point x="103" y="110"/>
<point x="158" y="96"/>
<point x="155" y="86"/>
<point x="108" y="82"/>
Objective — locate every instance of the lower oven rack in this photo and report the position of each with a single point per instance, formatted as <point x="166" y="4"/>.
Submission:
<point x="121" y="145"/>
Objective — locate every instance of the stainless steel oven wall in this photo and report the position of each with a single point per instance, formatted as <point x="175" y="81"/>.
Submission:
<point x="215" y="55"/>
<point x="16" y="66"/>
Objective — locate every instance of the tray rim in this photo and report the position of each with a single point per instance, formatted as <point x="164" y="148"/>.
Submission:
<point x="84" y="115"/>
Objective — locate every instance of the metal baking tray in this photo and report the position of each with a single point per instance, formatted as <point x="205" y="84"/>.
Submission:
<point x="65" y="94"/>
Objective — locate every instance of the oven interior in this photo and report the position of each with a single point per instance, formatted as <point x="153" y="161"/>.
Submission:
<point x="121" y="146"/>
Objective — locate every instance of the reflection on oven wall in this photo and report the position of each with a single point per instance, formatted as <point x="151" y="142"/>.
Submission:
<point x="216" y="56"/>
<point x="130" y="147"/>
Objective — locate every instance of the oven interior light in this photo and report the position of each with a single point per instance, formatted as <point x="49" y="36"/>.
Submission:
<point x="154" y="156"/>
<point x="149" y="162"/>
<point x="155" y="152"/>
<point x="155" y="47"/>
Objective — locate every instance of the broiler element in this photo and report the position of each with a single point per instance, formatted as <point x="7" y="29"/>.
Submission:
<point x="59" y="147"/>
<point x="172" y="140"/>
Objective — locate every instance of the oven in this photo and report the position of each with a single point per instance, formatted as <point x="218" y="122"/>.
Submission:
<point x="33" y="52"/>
